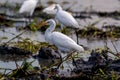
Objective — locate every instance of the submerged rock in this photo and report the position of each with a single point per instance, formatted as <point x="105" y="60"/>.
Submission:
<point x="47" y="53"/>
<point x="97" y="60"/>
<point x="13" y="50"/>
<point x="13" y="53"/>
<point x="46" y="57"/>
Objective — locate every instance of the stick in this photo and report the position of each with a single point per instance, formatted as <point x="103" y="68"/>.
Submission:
<point x="15" y="37"/>
<point x="114" y="46"/>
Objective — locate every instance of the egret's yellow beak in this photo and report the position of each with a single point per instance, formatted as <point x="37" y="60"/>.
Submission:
<point x="44" y="23"/>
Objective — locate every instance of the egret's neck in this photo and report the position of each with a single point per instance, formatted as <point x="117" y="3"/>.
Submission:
<point x="50" y="29"/>
<point x="59" y="8"/>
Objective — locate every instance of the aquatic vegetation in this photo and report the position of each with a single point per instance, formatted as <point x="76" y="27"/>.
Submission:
<point x="95" y="33"/>
<point x="22" y="70"/>
<point x="32" y="46"/>
<point x="4" y="22"/>
<point x="33" y="26"/>
<point x="3" y="38"/>
<point x="27" y="44"/>
<point x="99" y="66"/>
<point x="84" y="14"/>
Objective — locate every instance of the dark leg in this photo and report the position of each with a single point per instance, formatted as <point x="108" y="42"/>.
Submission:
<point x="61" y="61"/>
<point x="29" y="19"/>
<point x="26" y="23"/>
<point x="76" y="32"/>
<point x="70" y="55"/>
<point x="74" y="62"/>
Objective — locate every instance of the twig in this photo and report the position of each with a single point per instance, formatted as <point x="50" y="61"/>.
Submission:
<point x="15" y="37"/>
<point x="66" y="58"/>
<point x="117" y="55"/>
<point x="17" y="66"/>
<point x="114" y="46"/>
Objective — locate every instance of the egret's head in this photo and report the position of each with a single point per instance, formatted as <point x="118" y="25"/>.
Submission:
<point x="58" y="7"/>
<point x="50" y="9"/>
<point x="50" y="22"/>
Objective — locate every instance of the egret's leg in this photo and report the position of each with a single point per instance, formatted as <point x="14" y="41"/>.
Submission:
<point x="76" y="32"/>
<point x="70" y="55"/>
<point x="74" y="62"/>
<point x="62" y="26"/>
<point x="61" y="60"/>
<point x="30" y="17"/>
<point x="26" y="23"/>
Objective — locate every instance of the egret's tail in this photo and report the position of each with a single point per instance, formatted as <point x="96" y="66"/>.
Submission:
<point x="79" y="48"/>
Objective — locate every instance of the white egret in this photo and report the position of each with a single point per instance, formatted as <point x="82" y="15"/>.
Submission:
<point x="66" y="19"/>
<point x="28" y="7"/>
<point x="60" y="40"/>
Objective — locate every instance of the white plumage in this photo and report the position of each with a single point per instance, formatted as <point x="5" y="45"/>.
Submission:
<point x="65" y="18"/>
<point x="50" y="9"/>
<point x="61" y="41"/>
<point x="28" y="7"/>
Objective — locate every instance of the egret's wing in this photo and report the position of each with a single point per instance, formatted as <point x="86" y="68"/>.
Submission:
<point x="24" y="6"/>
<point x="28" y="6"/>
<point x="67" y="19"/>
<point x="61" y="40"/>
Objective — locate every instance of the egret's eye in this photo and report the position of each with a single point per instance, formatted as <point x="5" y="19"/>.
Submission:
<point x="48" y="22"/>
<point x="55" y="7"/>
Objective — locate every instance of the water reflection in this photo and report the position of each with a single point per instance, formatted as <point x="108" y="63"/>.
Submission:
<point x="9" y="33"/>
<point x="93" y="44"/>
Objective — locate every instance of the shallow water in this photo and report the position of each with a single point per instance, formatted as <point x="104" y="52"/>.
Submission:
<point x="12" y="32"/>
<point x="80" y="5"/>
<point x="38" y="36"/>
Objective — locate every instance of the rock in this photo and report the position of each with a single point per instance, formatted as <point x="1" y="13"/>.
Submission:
<point x="97" y="60"/>
<point x="47" y="53"/>
<point x="8" y="53"/>
<point x="13" y="50"/>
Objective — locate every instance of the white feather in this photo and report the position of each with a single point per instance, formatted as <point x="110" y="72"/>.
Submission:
<point x="28" y="6"/>
<point x="66" y="19"/>
<point x="61" y="41"/>
<point x="50" y="9"/>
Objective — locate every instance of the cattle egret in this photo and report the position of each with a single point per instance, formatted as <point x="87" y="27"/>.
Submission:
<point x="60" y="40"/>
<point x="66" y="19"/>
<point x="28" y="7"/>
